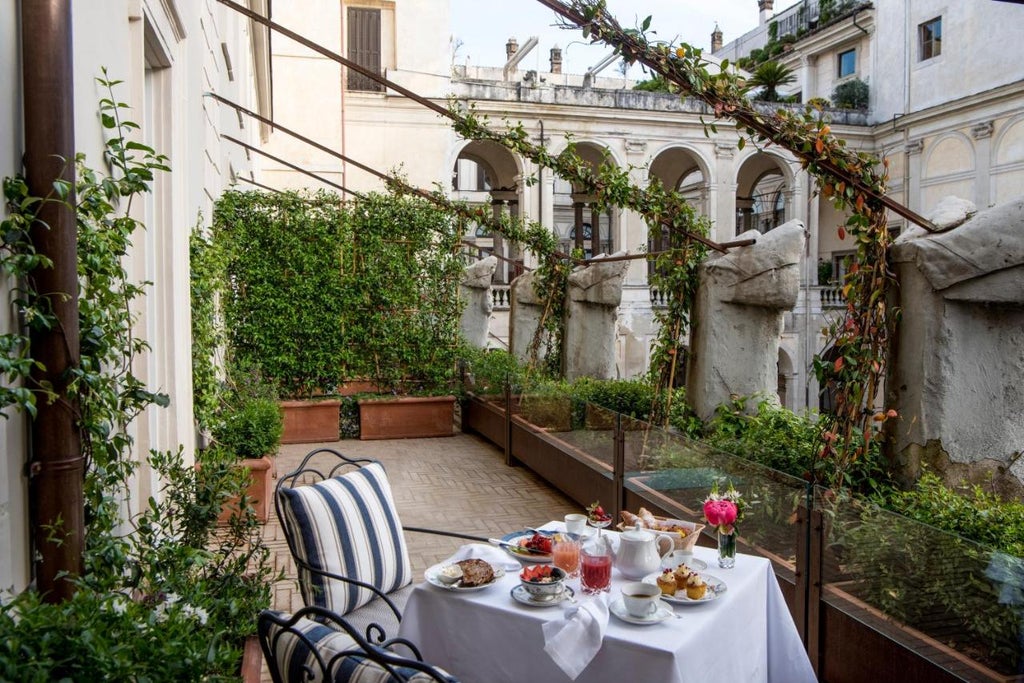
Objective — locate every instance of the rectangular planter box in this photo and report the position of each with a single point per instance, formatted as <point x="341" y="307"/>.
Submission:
<point x="260" y="491"/>
<point x="409" y="417"/>
<point x="310" y="421"/>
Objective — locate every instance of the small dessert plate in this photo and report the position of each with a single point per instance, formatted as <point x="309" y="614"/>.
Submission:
<point x="432" y="576"/>
<point x="715" y="589"/>
<point x="618" y="608"/>
<point x="521" y="595"/>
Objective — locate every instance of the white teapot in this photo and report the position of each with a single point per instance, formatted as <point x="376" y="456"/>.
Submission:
<point x="639" y="552"/>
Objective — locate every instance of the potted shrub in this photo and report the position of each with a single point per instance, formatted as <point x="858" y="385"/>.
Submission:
<point x="401" y="315"/>
<point x="250" y="429"/>
<point x="281" y="299"/>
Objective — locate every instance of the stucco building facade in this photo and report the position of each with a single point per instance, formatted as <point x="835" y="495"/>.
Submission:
<point x="168" y="55"/>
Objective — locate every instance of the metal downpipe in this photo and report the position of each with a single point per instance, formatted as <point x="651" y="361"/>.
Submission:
<point x="57" y="467"/>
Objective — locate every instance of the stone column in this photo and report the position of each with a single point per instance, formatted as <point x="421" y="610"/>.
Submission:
<point x="497" y="241"/>
<point x="738" y="317"/>
<point x="595" y="229"/>
<point x="475" y="290"/>
<point x="577" y="209"/>
<point x="725" y="223"/>
<point x="595" y="292"/>
<point x="957" y="371"/>
<point x="913" y="150"/>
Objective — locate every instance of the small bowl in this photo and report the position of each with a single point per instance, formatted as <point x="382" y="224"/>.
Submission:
<point x="449" y="574"/>
<point x="545" y="590"/>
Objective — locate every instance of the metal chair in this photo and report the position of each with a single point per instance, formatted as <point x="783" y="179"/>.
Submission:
<point x="315" y="644"/>
<point x="343" y="531"/>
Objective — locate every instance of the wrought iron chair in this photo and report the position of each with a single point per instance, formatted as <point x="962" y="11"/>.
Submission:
<point x="315" y="644"/>
<point x="343" y="531"/>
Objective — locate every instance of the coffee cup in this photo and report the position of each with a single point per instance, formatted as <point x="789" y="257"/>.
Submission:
<point x="674" y="558"/>
<point x="576" y="524"/>
<point x="641" y="599"/>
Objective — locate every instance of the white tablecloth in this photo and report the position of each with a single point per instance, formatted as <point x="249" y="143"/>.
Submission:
<point x="487" y="637"/>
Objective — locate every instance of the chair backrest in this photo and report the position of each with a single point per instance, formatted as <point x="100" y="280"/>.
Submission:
<point x="316" y="645"/>
<point x="343" y="522"/>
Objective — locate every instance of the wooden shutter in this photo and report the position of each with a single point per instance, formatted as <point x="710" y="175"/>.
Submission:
<point x="364" y="47"/>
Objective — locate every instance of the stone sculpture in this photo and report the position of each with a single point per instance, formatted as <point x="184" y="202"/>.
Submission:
<point x="957" y="364"/>
<point x="475" y="290"/>
<point x="595" y="292"/>
<point x="738" y="317"/>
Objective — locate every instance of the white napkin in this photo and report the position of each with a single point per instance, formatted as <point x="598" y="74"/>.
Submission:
<point x="487" y="553"/>
<point x="572" y="641"/>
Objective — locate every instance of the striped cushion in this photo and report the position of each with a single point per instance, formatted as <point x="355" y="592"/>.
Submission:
<point x="295" y="661"/>
<point x="347" y="525"/>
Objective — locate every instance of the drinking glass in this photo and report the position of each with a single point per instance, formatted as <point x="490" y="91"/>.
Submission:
<point x="595" y="570"/>
<point x="565" y="553"/>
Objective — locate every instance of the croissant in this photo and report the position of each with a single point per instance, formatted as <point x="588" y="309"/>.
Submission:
<point x="647" y="518"/>
<point x="629" y="519"/>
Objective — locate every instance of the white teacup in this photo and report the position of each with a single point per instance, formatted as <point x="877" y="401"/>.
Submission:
<point x="641" y="599"/>
<point x="576" y="524"/>
<point x="673" y="559"/>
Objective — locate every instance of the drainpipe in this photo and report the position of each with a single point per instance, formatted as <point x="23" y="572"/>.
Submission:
<point x="540" y="179"/>
<point x="57" y="467"/>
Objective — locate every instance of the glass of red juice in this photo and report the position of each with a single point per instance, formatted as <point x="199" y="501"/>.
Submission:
<point x="595" y="570"/>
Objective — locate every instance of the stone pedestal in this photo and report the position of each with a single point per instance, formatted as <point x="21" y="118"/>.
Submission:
<point x="595" y="292"/>
<point x="957" y="366"/>
<point x="738" y="317"/>
<point x="475" y="290"/>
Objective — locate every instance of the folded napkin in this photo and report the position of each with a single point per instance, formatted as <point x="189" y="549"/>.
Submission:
<point x="573" y="640"/>
<point x="487" y="553"/>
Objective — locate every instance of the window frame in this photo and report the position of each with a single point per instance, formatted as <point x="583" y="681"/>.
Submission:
<point x="367" y="57"/>
<point x="839" y="63"/>
<point x="933" y="43"/>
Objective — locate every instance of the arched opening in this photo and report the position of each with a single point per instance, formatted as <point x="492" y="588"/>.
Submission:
<point x="579" y="222"/>
<point x="486" y="174"/>
<point x="681" y="170"/>
<point x="762" y="194"/>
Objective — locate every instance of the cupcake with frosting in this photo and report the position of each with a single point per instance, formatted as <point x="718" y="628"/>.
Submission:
<point x="667" y="583"/>
<point x="695" y="586"/>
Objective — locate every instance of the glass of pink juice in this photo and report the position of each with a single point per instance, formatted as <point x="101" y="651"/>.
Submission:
<point x="565" y="553"/>
<point x="595" y="572"/>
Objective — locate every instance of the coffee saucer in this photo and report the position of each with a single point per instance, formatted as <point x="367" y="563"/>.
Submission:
<point x="520" y="594"/>
<point x="618" y="608"/>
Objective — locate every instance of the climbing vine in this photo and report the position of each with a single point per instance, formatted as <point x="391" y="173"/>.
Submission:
<point x="855" y="182"/>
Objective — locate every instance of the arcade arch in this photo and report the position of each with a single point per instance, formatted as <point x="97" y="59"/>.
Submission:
<point x="684" y="171"/>
<point x="578" y="222"/>
<point x="764" y="193"/>
<point x="485" y="173"/>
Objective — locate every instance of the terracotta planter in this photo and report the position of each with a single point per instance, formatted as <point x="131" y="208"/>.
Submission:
<point x="252" y="661"/>
<point x="310" y="421"/>
<point x="260" y="491"/>
<point x="409" y="417"/>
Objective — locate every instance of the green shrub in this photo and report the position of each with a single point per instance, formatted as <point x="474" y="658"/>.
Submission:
<point x="252" y="428"/>
<point x="852" y="94"/>
<point x="631" y="397"/>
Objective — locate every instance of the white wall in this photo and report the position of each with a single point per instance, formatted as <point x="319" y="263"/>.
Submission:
<point x="181" y="40"/>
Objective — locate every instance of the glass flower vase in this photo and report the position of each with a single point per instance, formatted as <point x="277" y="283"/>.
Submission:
<point x="727" y="549"/>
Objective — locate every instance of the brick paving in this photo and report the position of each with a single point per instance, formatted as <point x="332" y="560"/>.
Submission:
<point x="458" y="484"/>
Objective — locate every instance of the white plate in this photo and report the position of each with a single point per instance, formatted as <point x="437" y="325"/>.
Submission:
<point x="520" y="594"/>
<point x="618" y="608"/>
<point x="514" y="538"/>
<point x="431" y="577"/>
<point x="691" y="562"/>
<point x="716" y="588"/>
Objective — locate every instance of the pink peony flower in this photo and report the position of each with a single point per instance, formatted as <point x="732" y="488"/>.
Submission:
<point x="720" y="513"/>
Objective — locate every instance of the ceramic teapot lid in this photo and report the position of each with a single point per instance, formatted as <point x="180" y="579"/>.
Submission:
<point x="637" y="533"/>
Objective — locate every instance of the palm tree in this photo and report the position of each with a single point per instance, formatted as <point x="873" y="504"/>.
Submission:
<point x="771" y="76"/>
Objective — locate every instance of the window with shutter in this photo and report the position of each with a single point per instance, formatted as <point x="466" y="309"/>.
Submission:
<point x="364" y="47"/>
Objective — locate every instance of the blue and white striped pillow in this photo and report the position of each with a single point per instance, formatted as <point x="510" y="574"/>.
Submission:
<point x="295" y="661"/>
<point x="348" y="525"/>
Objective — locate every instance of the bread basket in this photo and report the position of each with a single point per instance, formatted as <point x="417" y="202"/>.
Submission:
<point x="671" y="527"/>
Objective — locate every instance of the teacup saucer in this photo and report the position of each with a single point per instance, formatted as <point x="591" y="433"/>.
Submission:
<point x="618" y="608"/>
<point x="520" y="594"/>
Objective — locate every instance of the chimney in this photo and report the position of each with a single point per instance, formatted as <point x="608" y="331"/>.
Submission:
<point x="556" y="60"/>
<point x="766" y="11"/>
<point x="716" y="39"/>
<point x="511" y="47"/>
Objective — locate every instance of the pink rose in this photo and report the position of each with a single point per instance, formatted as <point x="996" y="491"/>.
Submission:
<point x="720" y="512"/>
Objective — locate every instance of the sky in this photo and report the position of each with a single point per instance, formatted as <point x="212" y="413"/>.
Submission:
<point x="484" y="26"/>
